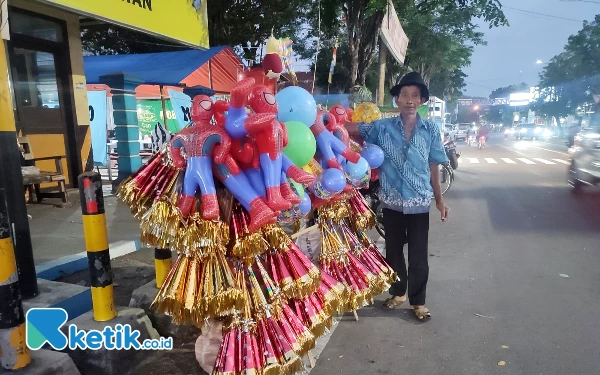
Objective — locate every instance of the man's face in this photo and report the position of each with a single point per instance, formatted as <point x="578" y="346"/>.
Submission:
<point x="409" y="100"/>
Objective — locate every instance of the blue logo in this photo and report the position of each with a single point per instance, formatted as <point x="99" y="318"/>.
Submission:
<point x="43" y="326"/>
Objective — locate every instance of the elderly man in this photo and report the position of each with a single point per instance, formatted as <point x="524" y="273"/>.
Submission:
<point x="409" y="179"/>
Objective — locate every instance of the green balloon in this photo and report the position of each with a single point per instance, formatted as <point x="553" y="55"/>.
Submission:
<point x="298" y="188"/>
<point x="302" y="145"/>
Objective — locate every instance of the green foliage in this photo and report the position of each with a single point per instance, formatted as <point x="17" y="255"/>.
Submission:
<point x="248" y="23"/>
<point x="503" y="114"/>
<point x="105" y="39"/>
<point x="572" y="77"/>
<point x="504" y="92"/>
<point x="359" y="94"/>
<point x="442" y="36"/>
<point x="448" y="84"/>
<point x="489" y="10"/>
<point x="238" y="23"/>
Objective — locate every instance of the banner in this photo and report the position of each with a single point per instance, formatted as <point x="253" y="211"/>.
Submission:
<point x="149" y="112"/>
<point x="181" y="106"/>
<point x="97" y="109"/>
<point x="183" y="21"/>
<point x="393" y="35"/>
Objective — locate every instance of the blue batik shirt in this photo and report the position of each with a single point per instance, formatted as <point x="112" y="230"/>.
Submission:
<point x="405" y="177"/>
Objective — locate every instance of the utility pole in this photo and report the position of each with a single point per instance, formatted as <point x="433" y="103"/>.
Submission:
<point x="382" y="68"/>
<point x="11" y="180"/>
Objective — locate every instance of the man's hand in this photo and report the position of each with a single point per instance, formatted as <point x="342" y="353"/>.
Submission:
<point x="444" y="210"/>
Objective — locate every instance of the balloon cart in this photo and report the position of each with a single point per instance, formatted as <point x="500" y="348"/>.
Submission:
<point x="221" y="192"/>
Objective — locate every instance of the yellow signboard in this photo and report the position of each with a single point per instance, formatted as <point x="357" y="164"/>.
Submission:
<point x="184" y="21"/>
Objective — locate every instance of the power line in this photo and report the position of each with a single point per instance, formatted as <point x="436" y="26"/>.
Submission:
<point x="542" y="14"/>
<point x="584" y="1"/>
<point x="475" y="84"/>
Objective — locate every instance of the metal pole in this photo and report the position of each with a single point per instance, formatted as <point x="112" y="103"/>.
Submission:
<point x="163" y="261"/>
<point x="96" y="245"/>
<point x="312" y="91"/>
<point x="11" y="180"/>
<point x="162" y="257"/>
<point x="164" y="106"/>
<point x="382" y="68"/>
<point x="14" y="353"/>
<point x="210" y="77"/>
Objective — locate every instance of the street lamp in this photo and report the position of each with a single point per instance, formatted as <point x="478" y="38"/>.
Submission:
<point x="539" y="62"/>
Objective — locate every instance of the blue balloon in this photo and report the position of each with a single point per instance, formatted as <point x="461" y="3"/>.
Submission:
<point x="296" y="104"/>
<point x="334" y="180"/>
<point x="329" y="183"/>
<point x="373" y="154"/>
<point x="306" y="204"/>
<point x="358" y="174"/>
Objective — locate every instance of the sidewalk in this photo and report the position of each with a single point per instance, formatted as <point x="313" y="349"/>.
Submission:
<point x="57" y="233"/>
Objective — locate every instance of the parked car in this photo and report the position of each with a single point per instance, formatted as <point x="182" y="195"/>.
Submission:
<point x="461" y="132"/>
<point x="585" y="159"/>
<point x="451" y="132"/>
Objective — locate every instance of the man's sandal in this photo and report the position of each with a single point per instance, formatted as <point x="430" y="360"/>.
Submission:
<point x="422" y="312"/>
<point x="393" y="302"/>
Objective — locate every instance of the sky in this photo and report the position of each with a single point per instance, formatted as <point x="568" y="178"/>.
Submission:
<point x="511" y="52"/>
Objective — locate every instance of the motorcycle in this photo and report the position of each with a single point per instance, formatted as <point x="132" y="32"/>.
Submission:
<point x="453" y="155"/>
<point x="481" y="143"/>
<point x="471" y="139"/>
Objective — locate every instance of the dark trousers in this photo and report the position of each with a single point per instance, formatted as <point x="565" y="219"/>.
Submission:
<point x="414" y="230"/>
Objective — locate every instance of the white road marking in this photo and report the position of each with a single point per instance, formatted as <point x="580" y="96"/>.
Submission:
<point x="515" y="151"/>
<point x="545" y="149"/>
<point x="491" y="160"/>
<point x="543" y="161"/>
<point x="565" y="162"/>
<point x="526" y="161"/>
<point x="473" y="160"/>
<point x="508" y="161"/>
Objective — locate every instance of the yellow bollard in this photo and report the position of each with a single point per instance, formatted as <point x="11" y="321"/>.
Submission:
<point x="163" y="261"/>
<point x="96" y="245"/>
<point x="14" y="353"/>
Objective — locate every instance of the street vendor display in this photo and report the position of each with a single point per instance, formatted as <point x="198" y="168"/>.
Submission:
<point x="218" y="194"/>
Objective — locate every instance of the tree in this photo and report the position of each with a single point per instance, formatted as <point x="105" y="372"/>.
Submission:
<point x="248" y="23"/>
<point x="106" y="39"/>
<point x="245" y="24"/>
<point x="504" y="92"/>
<point x="504" y="113"/>
<point x="448" y="84"/>
<point x="359" y="23"/>
<point x="447" y="28"/>
<point x="572" y="77"/>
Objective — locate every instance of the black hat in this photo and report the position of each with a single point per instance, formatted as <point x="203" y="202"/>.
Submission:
<point x="411" y="79"/>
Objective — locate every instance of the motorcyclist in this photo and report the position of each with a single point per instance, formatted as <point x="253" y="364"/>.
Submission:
<point x="483" y="132"/>
<point x="471" y="132"/>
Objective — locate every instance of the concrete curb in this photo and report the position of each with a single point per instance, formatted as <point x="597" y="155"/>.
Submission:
<point x="75" y="299"/>
<point x="71" y="264"/>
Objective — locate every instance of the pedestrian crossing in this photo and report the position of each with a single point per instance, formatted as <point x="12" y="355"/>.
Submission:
<point x="516" y="161"/>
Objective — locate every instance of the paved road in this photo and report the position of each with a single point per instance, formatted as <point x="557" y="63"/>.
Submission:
<point x="497" y="278"/>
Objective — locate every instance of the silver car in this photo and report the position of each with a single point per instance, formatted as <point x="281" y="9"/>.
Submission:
<point x="585" y="159"/>
<point x="462" y="131"/>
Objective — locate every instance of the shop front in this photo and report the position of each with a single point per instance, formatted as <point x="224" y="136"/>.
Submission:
<point x="43" y="90"/>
